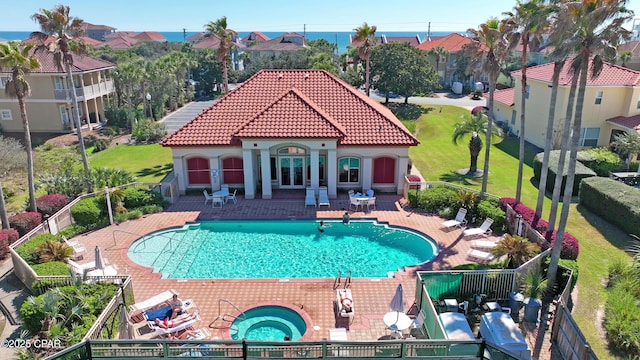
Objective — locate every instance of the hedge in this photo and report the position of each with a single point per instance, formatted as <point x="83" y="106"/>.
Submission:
<point x="28" y="250"/>
<point x="52" y="268"/>
<point x="51" y="204"/>
<point x="25" y="222"/>
<point x="137" y="197"/>
<point x="581" y="172"/>
<point x="88" y="212"/>
<point x="614" y="201"/>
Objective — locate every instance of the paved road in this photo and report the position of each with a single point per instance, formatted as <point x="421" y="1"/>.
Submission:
<point x="441" y="98"/>
<point x="176" y="119"/>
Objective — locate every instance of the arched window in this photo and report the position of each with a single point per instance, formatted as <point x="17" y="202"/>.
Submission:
<point x="349" y="170"/>
<point x="198" y="171"/>
<point x="232" y="170"/>
<point x="384" y="170"/>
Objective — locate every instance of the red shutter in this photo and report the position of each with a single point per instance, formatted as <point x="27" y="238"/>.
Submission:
<point x="198" y="171"/>
<point x="384" y="170"/>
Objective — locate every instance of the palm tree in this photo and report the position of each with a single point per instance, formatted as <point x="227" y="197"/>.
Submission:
<point x="474" y="126"/>
<point x="625" y="56"/>
<point x="21" y="61"/>
<point x="598" y="29"/>
<point x="626" y="145"/>
<point x="54" y="251"/>
<point x="517" y="249"/>
<point x="57" y="22"/>
<point x="219" y="30"/>
<point x="366" y="34"/>
<point x="490" y="48"/>
<point x="531" y="21"/>
<point x="438" y="53"/>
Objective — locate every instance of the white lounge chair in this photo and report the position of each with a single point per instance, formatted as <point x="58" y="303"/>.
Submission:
<point x="159" y="331"/>
<point x="153" y="301"/>
<point x="484" y="229"/>
<point x="480" y="255"/>
<point x="207" y="197"/>
<point x="344" y="296"/>
<point x="310" y="198"/>
<point x="323" y="197"/>
<point x="483" y="244"/>
<point x="81" y="269"/>
<point x="77" y="247"/>
<point x="458" y="221"/>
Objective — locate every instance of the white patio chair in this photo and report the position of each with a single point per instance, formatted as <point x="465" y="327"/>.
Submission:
<point x="483" y="244"/>
<point x="481" y="256"/>
<point x="232" y="197"/>
<point x="217" y="202"/>
<point x="310" y="198"/>
<point x="371" y="202"/>
<point x="153" y="301"/>
<point x="484" y="229"/>
<point x="353" y="201"/>
<point x="207" y="197"/>
<point x="323" y="197"/>
<point x="458" y="221"/>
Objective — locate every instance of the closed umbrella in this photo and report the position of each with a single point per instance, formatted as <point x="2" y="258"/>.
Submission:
<point x="397" y="303"/>
<point x="125" y="331"/>
<point x="99" y="258"/>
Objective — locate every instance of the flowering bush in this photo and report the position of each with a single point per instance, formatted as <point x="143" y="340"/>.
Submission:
<point x="51" y="204"/>
<point x="413" y="178"/>
<point x="570" y="245"/>
<point x="7" y="237"/>
<point x="25" y="222"/>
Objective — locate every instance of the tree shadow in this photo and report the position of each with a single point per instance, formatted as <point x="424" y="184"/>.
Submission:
<point x="460" y="179"/>
<point x="511" y="146"/>
<point x="408" y="111"/>
<point x="614" y="235"/>
<point x="158" y="170"/>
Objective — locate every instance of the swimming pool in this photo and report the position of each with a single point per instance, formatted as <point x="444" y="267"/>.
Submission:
<point x="281" y="249"/>
<point x="268" y="323"/>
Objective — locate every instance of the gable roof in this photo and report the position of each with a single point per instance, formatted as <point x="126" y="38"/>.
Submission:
<point x="80" y="63"/>
<point x="212" y="42"/>
<point x="631" y="122"/>
<point x="307" y="104"/>
<point x="120" y="35"/>
<point x="451" y="43"/>
<point x="150" y="36"/>
<point x="611" y="75"/>
<point x="88" y="26"/>
<point x="255" y="36"/>
<point x="504" y="96"/>
<point x="120" y="42"/>
<point x="279" y="43"/>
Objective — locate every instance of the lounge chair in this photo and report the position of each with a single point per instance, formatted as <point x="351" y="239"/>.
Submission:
<point x="481" y="256"/>
<point x="484" y="229"/>
<point x="110" y="270"/>
<point x="81" y="269"/>
<point x="483" y="244"/>
<point x="207" y="197"/>
<point x="153" y="301"/>
<point x="159" y="331"/>
<point x="77" y="247"/>
<point x="310" y="198"/>
<point x="343" y="298"/>
<point x="458" y="221"/>
<point x="323" y="197"/>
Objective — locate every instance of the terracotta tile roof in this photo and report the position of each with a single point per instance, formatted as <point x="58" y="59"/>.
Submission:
<point x="120" y="43"/>
<point x="90" y="41"/>
<point x="611" y="75"/>
<point x="452" y="42"/>
<point x="505" y="96"/>
<point x="631" y="123"/>
<point x="80" y="64"/>
<point x="633" y="46"/>
<point x="269" y="123"/>
<point x="294" y="103"/>
<point x="49" y="39"/>
<point x="411" y="40"/>
<point x="88" y="26"/>
<point x="120" y="35"/>
<point x="212" y="42"/>
<point x="255" y="36"/>
<point x="196" y="37"/>
<point x="279" y="44"/>
<point x="150" y="36"/>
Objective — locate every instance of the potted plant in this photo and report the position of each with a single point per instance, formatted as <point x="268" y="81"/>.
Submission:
<point x="535" y="284"/>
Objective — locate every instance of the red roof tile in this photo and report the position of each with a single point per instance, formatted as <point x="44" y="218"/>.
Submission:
<point x="196" y="37"/>
<point x="632" y="46"/>
<point x="294" y="103"/>
<point x="150" y="36"/>
<point x="505" y="96"/>
<point x="212" y="42"/>
<point x="255" y="36"/>
<point x="120" y="43"/>
<point x="632" y="122"/>
<point x="452" y="43"/>
<point x="120" y="35"/>
<point x="611" y="75"/>
<point x="269" y="123"/>
<point x="80" y="63"/>
<point x="90" y="41"/>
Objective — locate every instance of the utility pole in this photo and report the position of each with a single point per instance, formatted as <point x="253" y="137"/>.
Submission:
<point x="429" y="31"/>
<point x="184" y="34"/>
<point x="337" y="52"/>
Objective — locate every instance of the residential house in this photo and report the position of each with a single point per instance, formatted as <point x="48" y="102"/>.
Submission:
<point x="287" y="42"/>
<point x="96" y="32"/>
<point x="453" y="44"/>
<point x="254" y="37"/>
<point x="50" y="107"/>
<point x="126" y="39"/>
<point x="213" y="42"/>
<point x="288" y="130"/>
<point x="150" y="36"/>
<point x="384" y="39"/>
<point x="611" y="105"/>
<point x="634" y="48"/>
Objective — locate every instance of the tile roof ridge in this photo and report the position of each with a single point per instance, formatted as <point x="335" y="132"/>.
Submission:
<point x="374" y="105"/>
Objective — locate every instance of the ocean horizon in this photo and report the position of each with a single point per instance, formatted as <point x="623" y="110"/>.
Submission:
<point x="339" y="37"/>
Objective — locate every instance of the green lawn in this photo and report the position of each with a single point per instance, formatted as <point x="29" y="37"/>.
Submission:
<point x="149" y="163"/>
<point x="438" y="159"/>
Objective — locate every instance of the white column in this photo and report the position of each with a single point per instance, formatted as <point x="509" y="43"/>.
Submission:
<point x="401" y="170"/>
<point x="366" y="172"/>
<point x="179" y="170"/>
<point x="315" y="171"/>
<point x="86" y="106"/>
<point x="249" y="183"/>
<point x="214" y="169"/>
<point x="332" y="173"/>
<point x="95" y="103"/>
<point x="265" y="164"/>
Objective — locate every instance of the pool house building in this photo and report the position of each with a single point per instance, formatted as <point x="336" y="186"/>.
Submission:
<point x="288" y="130"/>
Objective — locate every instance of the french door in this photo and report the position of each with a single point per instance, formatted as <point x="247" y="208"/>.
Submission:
<point x="292" y="172"/>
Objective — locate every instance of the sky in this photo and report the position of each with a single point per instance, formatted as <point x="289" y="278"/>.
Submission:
<point x="268" y="15"/>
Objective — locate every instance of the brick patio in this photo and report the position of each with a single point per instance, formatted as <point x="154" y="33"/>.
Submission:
<point x="314" y="296"/>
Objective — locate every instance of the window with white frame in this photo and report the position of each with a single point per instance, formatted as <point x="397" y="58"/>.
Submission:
<point x="5" y="114"/>
<point x="349" y="170"/>
<point x="599" y="97"/>
<point x="58" y="83"/>
<point x="3" y="81"/>
<point x="589" y="137"/>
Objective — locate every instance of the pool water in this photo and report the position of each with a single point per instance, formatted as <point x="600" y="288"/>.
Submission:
<point x="268" y="323"/>
<point x="281" y="249"/>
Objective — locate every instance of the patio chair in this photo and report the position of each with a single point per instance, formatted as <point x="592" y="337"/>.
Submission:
<point x="484" y="229"/>
<point x="310" y="198"/>
<point x="369" y="193"/>
<point x="232" y="197"/>
<point x="217" y="202"/>
<point x="458" y="221"/>
<point x="207" y="197"/>
<point x="323" y="197"/>
<point x="371" y="202"/>
<point x="483" y="244"/>
<point x="481" y="256"/>
<point x="353" y="201"/>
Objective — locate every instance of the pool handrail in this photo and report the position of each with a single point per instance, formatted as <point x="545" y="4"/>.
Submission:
<point x="221" y="316"/>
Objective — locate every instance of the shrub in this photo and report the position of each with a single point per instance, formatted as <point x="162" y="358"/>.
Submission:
<point x="4" y="246"/>
<point x="11" y="235"/>
<point x="118" y="117"/>
<point x="51" y="204"/>
<point x="622" y="319"/>
<point x="130" y="215"/>
<point x="87" y="212"/>
<point x="100" y="145"/>
<point x="28" y="250"/>
<point x="25" y="222"/>
<point x="614" y="201"/>
<point x="101" y="177"/>
<point x="618" y="270"/>
<point x="581" y="172"/>
<point x="148" y="131"/>
<point x="436" y="198"/>
<point x="570" y="245"/>
<point x="137" y="197"/>
<point x="52" y="268"/>
<point x="489" y="209"/>
<point x="151" y="209"/>
<point x="53" y="251"/>
<point x="601" y="160"/>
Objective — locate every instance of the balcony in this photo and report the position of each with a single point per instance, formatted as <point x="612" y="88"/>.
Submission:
<point x="88" y="92"/>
